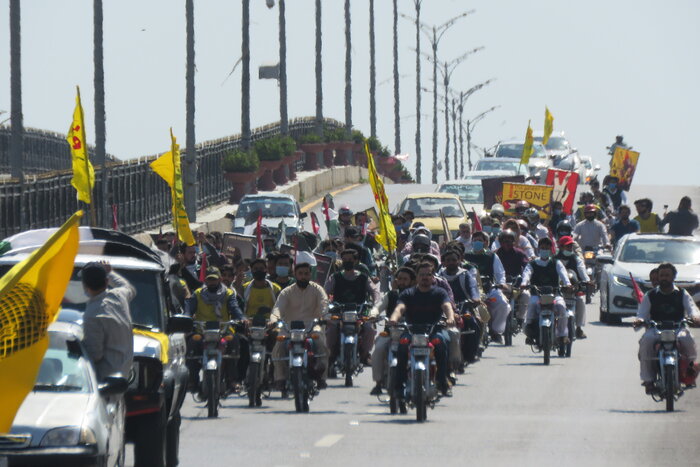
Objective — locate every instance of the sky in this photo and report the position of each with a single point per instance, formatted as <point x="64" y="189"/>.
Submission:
<point x="602" y="67"/>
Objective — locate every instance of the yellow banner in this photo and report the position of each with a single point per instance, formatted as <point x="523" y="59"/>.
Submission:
<point x="30" y="296"/>
<point x="387" y="233"/>
<point x="624" y="164"/>
<point x="548" y="125"/>
<point x="539" y="197"/>
<point x="528" y="150"/>
<point x="83" y="173"/>
<point x="168" y="167"/>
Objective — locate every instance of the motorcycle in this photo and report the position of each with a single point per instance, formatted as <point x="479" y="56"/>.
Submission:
<point x="396" y="404"/>
<point x="513" y="327"/>
<point x="470" y="333"/>
<point x="593" y="269"/>
<point x="216" y="361"/>
<point x="302" y="361"/>
<point x="547" y="321"/>
<point x="667" y="384"/>
<point x="349" y="320"/>
<point x="420" y="385"/>
<point x="259" y="377"/>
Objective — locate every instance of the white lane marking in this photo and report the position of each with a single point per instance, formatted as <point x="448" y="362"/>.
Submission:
<point x="328" y="441"/>
<point x="354" y="422"/>
<point x="305" y="455"/>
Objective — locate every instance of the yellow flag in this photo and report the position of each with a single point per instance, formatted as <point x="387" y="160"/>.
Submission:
<point x="83" y="174"/>
<point x="30" y="295"/>
<point x="528" y="150"/>
<point x="548" y="125"/>
<point x="168" y="167"/>
<point x="387" y="233"/>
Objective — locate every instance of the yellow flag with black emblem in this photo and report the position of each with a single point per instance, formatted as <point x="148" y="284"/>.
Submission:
<point x="30" y="296"/>
<point x="528" y="149"/>
<point x="83" y="173"/>
<point x="387" y="233"/>
<point x="168" y="167"/>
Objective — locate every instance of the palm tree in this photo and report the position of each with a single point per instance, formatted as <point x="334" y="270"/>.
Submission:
<point x="348" y="72"/>
<point x="417" y="4"/>
<point x="100" y="116"/>
<point x="397" y="118"/>
<point x="319" y="72"/>
<point x="17" y="134"/>
<point x="284" y="124"/>
<point x="245" y="78"/>
<point x="190" y="172"/>
<point x="372" y="75"/>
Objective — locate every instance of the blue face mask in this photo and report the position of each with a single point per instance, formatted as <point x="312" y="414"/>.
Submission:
<point x="477" y="245"/>
<point x="486" y="228"/>
<point x="567" y="253"/>
<point x="282" y="271"/>
<point x="545" y="254"/>
<point x="247" y="276"/>
<point x="612" y="186"/>
<point x="333" y="255"/>
<point x="495" y="230"/>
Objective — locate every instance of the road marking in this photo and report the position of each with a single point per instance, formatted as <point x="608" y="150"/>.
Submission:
<point x="305" y="455"/>
<point x="354" y="422"/>
<point x="312" y="205"/>
<point x="328" y="441"/>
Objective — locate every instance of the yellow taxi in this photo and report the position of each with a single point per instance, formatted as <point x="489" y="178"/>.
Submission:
<point x="426" y="208"/>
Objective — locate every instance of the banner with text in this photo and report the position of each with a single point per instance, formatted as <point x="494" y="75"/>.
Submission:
<point x="538" y="196"/>
<point x="493" y="188"/>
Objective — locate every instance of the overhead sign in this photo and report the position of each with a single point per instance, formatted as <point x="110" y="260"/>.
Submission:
<point x="539" y="197"/>
<point x="564" y="185"/>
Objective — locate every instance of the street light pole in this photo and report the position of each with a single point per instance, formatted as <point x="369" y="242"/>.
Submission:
<point x="17" y="131"/>
<point x="190" y="159"/>
<point x="397" y="117"/>
<point x="284" y="120"/>
<point x="319" y="72"/>
<point x="348" y="72"/>
<point x="416" y="20"/>
<point x="245" y="77"/>
<point x="100" y="117"/>
<point x="372" y="75"/>
<point x="471" y="124"/>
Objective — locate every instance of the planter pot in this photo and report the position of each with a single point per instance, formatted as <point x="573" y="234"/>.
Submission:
<point x="328" y="157"/>
<point x="314" y="152"/>
<point x="266" y="181"/>
<point x="243" y="183"/>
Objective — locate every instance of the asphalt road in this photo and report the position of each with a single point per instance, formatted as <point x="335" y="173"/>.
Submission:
<point x="508" y="409"/>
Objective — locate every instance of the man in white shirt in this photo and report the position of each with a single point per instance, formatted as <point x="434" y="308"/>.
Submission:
<point x="591" y="233"/>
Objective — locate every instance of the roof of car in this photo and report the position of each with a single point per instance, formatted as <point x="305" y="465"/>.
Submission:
<point x="516" y="141"/>
<point x="495" y="173"/>
<point x="656" y="236"/>
<point x="268" y="196"/>
<point x="471" y="181"/>
<point x="73" y="331"/>
<point x="432" y="195"/>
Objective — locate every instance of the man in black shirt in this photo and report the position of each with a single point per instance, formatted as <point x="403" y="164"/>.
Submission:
<point x="425" y="304"/>
<point x="682" y="221"/>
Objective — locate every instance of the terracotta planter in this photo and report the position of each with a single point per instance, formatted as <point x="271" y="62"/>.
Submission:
<point x="243" y="183"/>
<point x="314" y="154"/>
<point x="328" y="157"/>
<point x="266" y="181"/>
<point x="292" y="167"/>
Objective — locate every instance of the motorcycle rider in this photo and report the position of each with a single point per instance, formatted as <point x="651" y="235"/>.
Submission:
<point x="574" y="262"/>
<point x="617" y="196"/>
<point x="544" y="271"/>
<point x="624" y="225"/>
<point x="521" y="241"/>
<point x="490" y="266"/>
<point x="303" y="301"/>
<point x="565" y="229"/>
<point x="465" y="235"/>
<point x="283" y="269"/>
<point x="525" y="232"/>
<point x="520" y="207"/>
<point x="354" y="236"/>
<point x="649" y="222"/>
<point x="424" y="304"/>
<point x="344" y="220"/>
<point x="212" y="302"/>
<point x="558" y="215"/>
<point x="600" y="198"/>
<point x="585" y="199"/>
<point x="619" y="143"/>
<point x="351" y="286"/>
<point x="514" y="261"/>
<point x="404" y="278"/>
<point x="537" y="229"/>
<point x="664" y="303"/>
<point x="591" y="233"/>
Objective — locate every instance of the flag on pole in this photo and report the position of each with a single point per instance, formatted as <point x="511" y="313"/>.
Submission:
<point x="387" y="232"/>
<point x="477" y="222"/>
<point x="167" y="166"/>
<point x="548" y="125"/>
<point x="528" y="150"/>
<point x="203" y="267"/>
<point x="30" y="296"/>
<point x="258" y="234"/>
<point x="638" y="294"/>
<point x="332" y="225"/>
<point x="314" y="223"/>
<point x="83" y="173"/>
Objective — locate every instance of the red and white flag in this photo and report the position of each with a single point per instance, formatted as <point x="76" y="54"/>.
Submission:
<point x="565" y="184"/>
<point x="258" y="233"/>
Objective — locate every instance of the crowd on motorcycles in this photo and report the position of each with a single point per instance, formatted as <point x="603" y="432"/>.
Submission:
<point x="275" y="326"/>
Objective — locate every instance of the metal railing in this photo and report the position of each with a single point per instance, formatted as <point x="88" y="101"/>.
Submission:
<point x="141" y="197"/>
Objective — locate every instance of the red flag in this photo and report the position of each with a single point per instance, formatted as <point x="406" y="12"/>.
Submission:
<point x="203" y="267"/>
<point x="259" y="235"/>
<point x="477" y="222"/>
<point x="314" y="223"/>
<point x="115" y="224"/>
<point x="325" y="209"/>
<point x="554" y="242"/>
<point x="637" y="291"/>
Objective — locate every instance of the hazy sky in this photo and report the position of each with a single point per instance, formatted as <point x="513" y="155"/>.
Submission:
<point x="602" y="67"/>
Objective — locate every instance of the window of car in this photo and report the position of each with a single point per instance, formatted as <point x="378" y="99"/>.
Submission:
<point x="516" y="150"/>
<point x="270" y="207"/>
<point x="430" y="207"/>
<point x="557" y="143"/>
<point x="494" y="164"/>
<point x="660" y="251"/>
<point x="61" y="370"/>
<point x="469" y="194"/>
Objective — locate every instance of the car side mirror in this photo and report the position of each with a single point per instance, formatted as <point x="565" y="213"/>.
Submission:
<point x="597" y="167"/>
<point x="304" y="215"/>
<point x="113" y="385"/>
<point x="605" y="259"/>
<point x="180" y="323"/>
<point x="230" y="215"/>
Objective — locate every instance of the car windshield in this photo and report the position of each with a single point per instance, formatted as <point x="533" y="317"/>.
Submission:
<point x="270" y="207"/>
<point x="516" y="150"/>
<point x="660" y="251"/>
<point x="566" y="163"/>
<point x="557" y="143"/>
<point x="587" y="163"/>
<point x="62" y="370"/>
<point x="469" y="194"/>
<point x="145" y="308"/>
<point x="430" y="207"/>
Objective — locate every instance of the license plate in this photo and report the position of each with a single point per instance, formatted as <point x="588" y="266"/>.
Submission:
<point x="421" y="352"/>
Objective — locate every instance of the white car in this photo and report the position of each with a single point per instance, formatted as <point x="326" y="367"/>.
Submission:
<point x="470" y="192"/>
<point x="68" y="419"/>
<point x="508" y="164"/>
<point x="275" y="208"/>
<point x="481" y="174"/>
<point x="557" y="144"/>
<point x="539" y="161"/>
<point x="638" y="254"/>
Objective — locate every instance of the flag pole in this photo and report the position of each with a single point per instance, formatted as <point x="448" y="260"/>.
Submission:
<point x="172" y="189"/>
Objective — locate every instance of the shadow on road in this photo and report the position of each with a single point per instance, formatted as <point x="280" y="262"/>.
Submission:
<point x="399" y="420"/>
<point x="640" y="411"/>
<point x="310" y="412"/>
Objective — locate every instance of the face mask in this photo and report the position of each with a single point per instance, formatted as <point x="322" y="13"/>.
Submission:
<point x="495" y="230"/>
<point x="259" y="275"/>
<point x="407" y="225"/>
<point x="486" y="228"/>
<point x="567" y="253"/>
<point x="282" y="270"/>
<point x="556" y="212"/>
<point x="612" y="186"/>
<point x="247" y="276"/>
<point x="545" y="254"/>
<point x="348" y="265"/>
<point x="302" y="284"/>
<point x="477" y="245"/>
<point x="212" y="288"/>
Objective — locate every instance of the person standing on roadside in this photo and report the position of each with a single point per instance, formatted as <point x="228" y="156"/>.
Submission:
<point x="681" y="221"/>
<point x="649" y="222"/>
<point x="107" y="320"/>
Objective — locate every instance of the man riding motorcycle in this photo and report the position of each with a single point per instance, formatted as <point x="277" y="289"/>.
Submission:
<point x="591" y="233"/>
<point x="514" y="261"/>
<point x="424" y="304"/>
<point x="574" y="262"/>
<point x="537" y="230"/>
<point x="664" y="303"/>
<point x="490" y="266"/>
<point x="545" y="271"/>
<point x="613" y="191"/>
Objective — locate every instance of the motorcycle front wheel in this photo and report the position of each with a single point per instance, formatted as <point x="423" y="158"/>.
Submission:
<point x="253" y="383"/>
<point x="572" y="336"/>
<point x="301" y="395"/>
<point x="508" y="333"/>
<point x="349" y="353"/>
<point x="669" y="374"/>
<point x="212" y="383"/>
<point x="419" y="394"/>
<point x="546" y="344"/>
<point x="390" y="382"/>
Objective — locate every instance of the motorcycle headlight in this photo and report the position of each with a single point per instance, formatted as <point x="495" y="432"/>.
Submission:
<point x="68" y="436"/>
<point x="622" y="280"/>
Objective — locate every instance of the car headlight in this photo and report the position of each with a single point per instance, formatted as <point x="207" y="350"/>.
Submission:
<point x="68" y="436"/>
<point x="622" y="280"/>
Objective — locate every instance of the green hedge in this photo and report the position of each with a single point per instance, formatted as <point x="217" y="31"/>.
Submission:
<point x="241" y="161"/>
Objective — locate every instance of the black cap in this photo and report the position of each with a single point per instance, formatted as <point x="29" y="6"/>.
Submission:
<point x="352" y="232"/>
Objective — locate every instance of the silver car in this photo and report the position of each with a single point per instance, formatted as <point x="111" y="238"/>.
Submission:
<point x="68" y="419"/>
